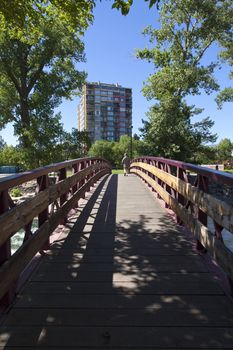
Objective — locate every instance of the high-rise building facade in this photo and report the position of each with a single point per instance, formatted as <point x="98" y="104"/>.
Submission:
<point x="105" y="111"/>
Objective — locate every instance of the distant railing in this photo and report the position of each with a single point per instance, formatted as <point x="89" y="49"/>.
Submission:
<point x="62" y="194"/>
<point x="184" y="189"/>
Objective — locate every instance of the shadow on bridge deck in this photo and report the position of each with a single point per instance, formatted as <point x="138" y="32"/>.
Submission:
<point x="124" y="277"/>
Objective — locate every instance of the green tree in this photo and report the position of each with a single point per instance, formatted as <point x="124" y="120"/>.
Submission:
<point x="125" y="5"/>
<point x="206" y="155"/>
<point x="187" y="29"/>
<point x="226" y="95"/>
<point x="103" y="149"/>
<point x="75" y="144"/>
<point x="10" y="155"/>
<point x="225" y="149"/>
<point x="44" y="136"/>
<point x="124" y="146"/>
<point x="35" y="77"/>
<point x="22" y="19"/>
<point x="2" y="143"/>
<point x="74" y="15"/>
<point x="114" y="151"/>
<point x="226" y="42"/>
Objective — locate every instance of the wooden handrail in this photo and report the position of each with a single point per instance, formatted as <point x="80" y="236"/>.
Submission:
<point x="215" y="175"/>
<point x="86" y="171"/>
<point x="17" y="179"/>
<point x="191" y="202"/>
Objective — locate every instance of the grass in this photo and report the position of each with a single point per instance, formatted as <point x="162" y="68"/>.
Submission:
<point x="229" y="171"/>
<point x="117" y="171"/>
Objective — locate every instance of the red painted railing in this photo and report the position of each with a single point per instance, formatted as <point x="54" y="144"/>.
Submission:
<point x="190" y="191"/>
<point x="62" y="193"/>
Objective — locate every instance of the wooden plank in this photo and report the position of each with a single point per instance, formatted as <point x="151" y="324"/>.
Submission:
<point x="33" y="174"/>
<point x="217" y="209"/>
<point x="217" y="249"/>
<point x="126" y="301"/>
<point x="163" y="283"/>
<point x="145" y="317"/>
<point x="160" y="264"/>
<point x="118" y="337"/>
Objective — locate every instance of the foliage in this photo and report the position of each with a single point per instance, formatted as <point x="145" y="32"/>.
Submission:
<point x="74" y="15"/>
<point x="103" y="149"/>
<point x="15" y="192"/>
<point x="225" y="150"/>
<point x="124" y="5"/>
<point x="2" y="143"/>
<point x="24" y="19"/>
<point x="35" y="77"/>
<point x="44" y="135"/>
<point x="169" y="133"/>
<point x="226" y="41"/>
<point x="206" y="155"/>
<point x="226" y="95"/>
<point x="11" y="155"/>
<point x="75" y="144"/>
<point x="117" y="171"/>
<point x="187" y="29"/>
<point x="114" y="151"/>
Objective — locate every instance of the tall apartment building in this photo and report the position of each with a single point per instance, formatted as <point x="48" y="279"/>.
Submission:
<point x="105" y="111"/>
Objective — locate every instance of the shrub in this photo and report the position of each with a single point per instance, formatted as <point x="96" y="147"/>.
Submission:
<point x="15" y="192"/>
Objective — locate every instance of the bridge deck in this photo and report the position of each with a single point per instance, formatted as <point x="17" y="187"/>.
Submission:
<point x="124" y="278"/>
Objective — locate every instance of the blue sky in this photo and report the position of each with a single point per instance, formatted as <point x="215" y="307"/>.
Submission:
<point x="110" y="45"/>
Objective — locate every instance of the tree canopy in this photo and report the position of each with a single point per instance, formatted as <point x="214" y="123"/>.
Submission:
<point x="36" y="73"/>
<point x="75" y="15"/>
<point x="225" y="149"/>
<point x="2" y="143"/>
<point x="23" y="19"/>
<point x="187" y="29"/>
<point x="114" y="151"/>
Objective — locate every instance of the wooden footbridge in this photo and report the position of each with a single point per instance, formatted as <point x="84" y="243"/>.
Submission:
<point x="117" y="262"/>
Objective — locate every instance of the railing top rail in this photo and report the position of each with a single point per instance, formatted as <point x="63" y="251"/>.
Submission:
<point x="215" y="175"/>
<point x="17" y="179"/>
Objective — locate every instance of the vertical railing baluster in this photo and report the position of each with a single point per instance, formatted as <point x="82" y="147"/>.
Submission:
<point x="63" y="198"/>
<point x="152" y="175"/>
<point x="5" y="250"/>
<point x="42" y="184"/>
<point x="202" y="184"/>
<point x="181" y="174"/>
<point x="160" y="166"/>
<point x="88" y="162"/>
<point x="75" y="187"/>
<point x="82" y="182"/>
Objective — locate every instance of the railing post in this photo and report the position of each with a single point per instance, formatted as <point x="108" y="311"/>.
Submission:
<point x="5" y="250"/>
<point x="63" y="198"/>
<point x="159" y="165"/>
<point x="202" y="184"/>
<point x="163" y="167"/>
<point x="42" y="184"/>
<point x="75" y="187"/>
<point x="88" y="163"/>
<point x="181" y="174"/>
<point x="82" y="182"/>
<point x="153" y="176"/>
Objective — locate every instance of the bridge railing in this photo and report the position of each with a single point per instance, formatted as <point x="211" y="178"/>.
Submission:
<point x="185" y="190"/>
<point x="49" y="206"/>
